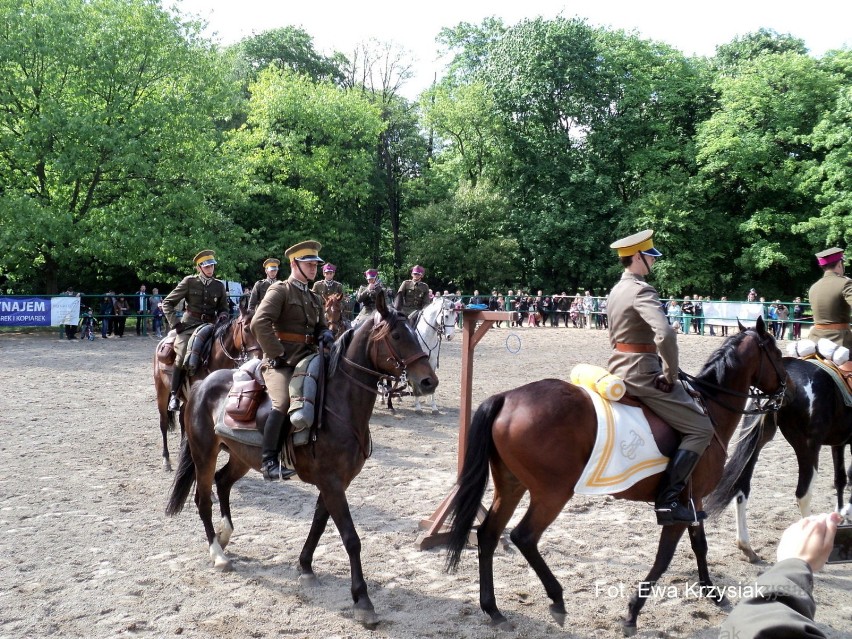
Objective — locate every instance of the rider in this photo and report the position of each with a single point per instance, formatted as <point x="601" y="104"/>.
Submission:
<point x="270" y="267"/>
<point x="205" y="300"/>
<point x="645" y="356"/>
<point x="365" y="295"/>
<point x="288" y="324"/>
<point x="413" y="294"/>
<point x="831" y="299"/>
<point x="328" y="285"/>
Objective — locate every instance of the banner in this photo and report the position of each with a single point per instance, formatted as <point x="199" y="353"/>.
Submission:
<point x="728" y="313"/>
<point x="39" y="311"/>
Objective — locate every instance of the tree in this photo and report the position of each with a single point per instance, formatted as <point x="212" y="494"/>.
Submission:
<point x="106" y="113"/>
<point x="291" y="48"/>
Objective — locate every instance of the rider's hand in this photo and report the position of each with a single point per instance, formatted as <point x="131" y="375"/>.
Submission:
<point x="222" y="318"/>
<point x="276" y="362"/>
<point x="810" y="539"/>
<point x="180" y="327"/>
<point x="663" y="384"/>
<point x="326" y="339"/>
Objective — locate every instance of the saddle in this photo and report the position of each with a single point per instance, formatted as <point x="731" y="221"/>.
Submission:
<point x="831" y="358"/>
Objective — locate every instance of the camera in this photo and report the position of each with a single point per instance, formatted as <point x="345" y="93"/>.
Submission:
<point x="842" y="550"/>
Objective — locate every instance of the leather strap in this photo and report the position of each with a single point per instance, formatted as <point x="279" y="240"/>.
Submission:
<point x="832" y="327"/>
<point x="635" y="348"/>
<point x="201" y="316"/>
<point x="295" y="338"/>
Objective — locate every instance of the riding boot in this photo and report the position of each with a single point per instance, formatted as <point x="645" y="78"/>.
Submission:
<point x="274" y="431"/>
<point x="177" y="380"/>
<point x="668" y="507"/>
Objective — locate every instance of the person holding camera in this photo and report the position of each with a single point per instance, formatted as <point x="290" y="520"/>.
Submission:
<point x="206" y="301"/>
<point x="289" y="323"/>
<point x="783" y="606"/>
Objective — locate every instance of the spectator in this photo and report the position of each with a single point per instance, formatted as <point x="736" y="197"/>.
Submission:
<point x="782" y="313"/>
<point x="106" y="314"/>
<point x="141" y="304"/>
<point x="688" y="310"/>
<point x="588" y="309"/>
<point x="120" y="309"/>
<point x="798" y="315"/>
<point x="576" y="311"/>
<point x="602" y="312"/>
<point x="698" y="319"/>
<point x="724" y="326"/>
<point x="71" y="329"/>
<point x="673" y="312"/>
<point x="752" y="296"/>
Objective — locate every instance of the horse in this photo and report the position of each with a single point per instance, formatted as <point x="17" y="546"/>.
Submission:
<point x="334" y="314"/>
<point x="435" y="322"/>
<point x="381" y="347"/>
<point x="233" y="343"/>
<point x="539" y="438"/>
<point x="813" y="416"/>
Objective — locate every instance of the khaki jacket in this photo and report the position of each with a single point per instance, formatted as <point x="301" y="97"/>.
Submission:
<point x="415" y="295"/>
<point x="831" y="298"/>
<point x="324" y="288"/>
<point x="200" y="299"/>
<point x="258" y="291"/>
<point x="288" y="307"/>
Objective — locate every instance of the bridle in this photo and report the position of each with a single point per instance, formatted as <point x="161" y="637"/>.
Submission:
<point x="763" y="402"/>
<point x="239" y="343"/>
<point x="439" y="328"/>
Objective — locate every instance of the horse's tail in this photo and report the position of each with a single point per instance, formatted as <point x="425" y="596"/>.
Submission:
<point x="184" y="479"/>
<point x="473" y="478"/>
<point x="750" y="434"/>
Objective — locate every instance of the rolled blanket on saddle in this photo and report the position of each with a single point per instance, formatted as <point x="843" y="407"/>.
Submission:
<point x="825" y="348"/>
<point x="599" y="380"/>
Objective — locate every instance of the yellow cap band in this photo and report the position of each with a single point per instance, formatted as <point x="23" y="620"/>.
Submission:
<point x="295" y="255"/>
<point x="630" y="250"/>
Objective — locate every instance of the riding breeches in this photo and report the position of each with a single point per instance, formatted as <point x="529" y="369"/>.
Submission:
<point x="680" y="411"/>
<point x="278" y="386"/>
<point x="181" y="343"/>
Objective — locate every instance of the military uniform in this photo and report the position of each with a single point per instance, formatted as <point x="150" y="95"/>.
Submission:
<point x="365" y="296"/>
<point x="414" y="295"/>
<point x="783" y="605"/>
<point x="831" y="299"/>
<point x="645" y="356"/>
<point x="288" y="324"/>
<point x="262" y="286"/>
<point x="324" y="288"/>
<point x="205" y="301"/>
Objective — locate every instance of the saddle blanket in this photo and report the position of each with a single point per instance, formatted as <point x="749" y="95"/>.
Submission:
<point x="836" y="377"/>
<point x="625" y="451"/>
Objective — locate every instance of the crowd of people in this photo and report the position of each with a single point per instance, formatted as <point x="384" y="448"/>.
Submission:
<point x="108" y="314"/>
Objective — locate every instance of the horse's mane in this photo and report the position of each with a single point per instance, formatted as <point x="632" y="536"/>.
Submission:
<point x="221" y="331"/>
<point x="723" y="360"/>
<point x="338" y="349"/>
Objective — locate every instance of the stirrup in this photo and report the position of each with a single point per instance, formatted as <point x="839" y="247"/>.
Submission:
<point x="666" y="514"/>
<point x="273" y="470"/>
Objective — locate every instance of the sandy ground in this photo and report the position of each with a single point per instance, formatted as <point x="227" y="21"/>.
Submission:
<point x="86" y="550"/>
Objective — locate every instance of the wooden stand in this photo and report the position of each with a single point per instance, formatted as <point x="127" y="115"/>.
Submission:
<point x="436" y="532"/>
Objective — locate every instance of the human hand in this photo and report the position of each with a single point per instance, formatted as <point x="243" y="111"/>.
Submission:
<point x="810" y="539"/>
<point x="179" y="327"/>
<point x="222" y="318"/>
<point x="326" y="338"/>
<point x="276" y="362"/>
<point x="663" y="384"/>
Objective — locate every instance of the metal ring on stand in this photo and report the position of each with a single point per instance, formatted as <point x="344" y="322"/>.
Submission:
<point x="510" y="345"/>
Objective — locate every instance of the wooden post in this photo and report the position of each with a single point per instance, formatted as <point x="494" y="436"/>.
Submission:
<point x="436" y="532"/>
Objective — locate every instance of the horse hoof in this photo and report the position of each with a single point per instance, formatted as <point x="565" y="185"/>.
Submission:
<point x="223" y="565"/>
<point x="167" y="466"/>
<point x="628" y="629"/>
<point x="504" y="626"/>
<point x="308" y="581"/>
<point x="557" y="611"/>
<point x="435" y="411"/>
<point x="367" y="618"/>
<point x="722" y="603"/>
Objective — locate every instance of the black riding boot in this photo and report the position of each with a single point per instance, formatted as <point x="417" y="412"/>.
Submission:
<point x="274" y="432"/>
<point x="668" y="507"/>
<point x="177" y="380"/>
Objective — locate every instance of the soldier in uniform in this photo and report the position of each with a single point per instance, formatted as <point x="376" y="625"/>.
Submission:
<point x="645" y="356"/>
<point x="413" y="294"/>
<point x="328" y="285"/>
<point x="831" y="298"/>
<point x="205" y="300"/>
<point x="270" y="267"/>
<point x="288" y="324"/>
<point x="365" y="295"/>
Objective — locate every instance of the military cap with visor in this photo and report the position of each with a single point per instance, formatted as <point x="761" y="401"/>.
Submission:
<point x="271" y="262"/>
<point x="371" y="272"/>
<point x="205" y="258"/>
<point x="829" y="256"/>
<point x="329" y="268"/>
<point x="307" y="251"/>
<point x="640" y="242"/>
<point x="417" y="270"/>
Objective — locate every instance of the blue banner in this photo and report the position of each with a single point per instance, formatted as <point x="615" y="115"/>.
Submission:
<point x="39" y="311"/>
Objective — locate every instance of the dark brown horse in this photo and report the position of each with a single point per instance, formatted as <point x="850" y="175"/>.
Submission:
<point x="539" y="437"/>
<point x="381" y="347"/>
<point x="233" y="344"/>
<point x="334" y="314"/>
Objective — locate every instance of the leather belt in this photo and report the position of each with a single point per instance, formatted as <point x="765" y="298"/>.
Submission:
<point x="635" y="348"/>
<point x="202" y="316"/>
<point x="832" y="327"/>
<point x="295" y="338"/>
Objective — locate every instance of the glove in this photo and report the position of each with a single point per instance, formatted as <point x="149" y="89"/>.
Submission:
<point x="662" y="384"/>
<point x="326" y="338"/>
<point x="276" y="362"/>
<point x="222" y="318"/>
<point x="180" y="327"/>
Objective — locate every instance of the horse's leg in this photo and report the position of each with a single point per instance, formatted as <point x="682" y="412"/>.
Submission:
<point x="526" y="535"/>
<point x="744" y="485"/>
<point x="225" y="478"/>
<point x="338" y="507"/>
<point x="434" y="404"/>
<point x="669" y="538"/>
<point x="847" y="510"/>
<point x="698" y="540"/>
<point x="840" y="477"/>
<point x="165" y="422"/>
<point x="507" y="494"/>
<point x="205" y="450"/>
<point x="306" y="557"/>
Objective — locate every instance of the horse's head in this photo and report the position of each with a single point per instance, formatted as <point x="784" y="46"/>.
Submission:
<point x="449" y="317"/>
<point x="237" y="340"/>
<point x="395" y="351"/>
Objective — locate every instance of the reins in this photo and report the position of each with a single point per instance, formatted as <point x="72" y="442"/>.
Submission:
<point x="239" y="343"/>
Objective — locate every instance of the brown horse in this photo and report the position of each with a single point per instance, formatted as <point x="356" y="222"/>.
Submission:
<point x="233" y="344"/>
<point x="334" y="314"/>
<point x="539" y="437"/>
<point x="381" y="347"/>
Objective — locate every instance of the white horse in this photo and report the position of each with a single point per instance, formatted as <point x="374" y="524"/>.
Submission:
<point x="436" y="322"/>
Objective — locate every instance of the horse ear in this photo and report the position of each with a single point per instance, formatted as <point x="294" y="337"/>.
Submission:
<point x="740" y="325"/>
<point x="760" y="326"/>
<point x="381" y="302"/>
